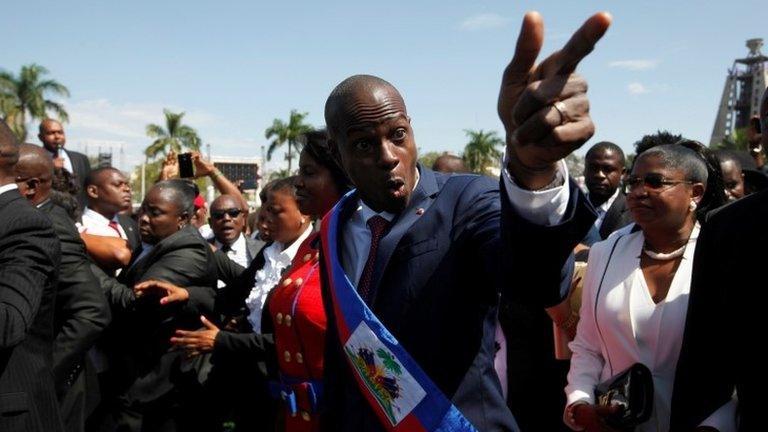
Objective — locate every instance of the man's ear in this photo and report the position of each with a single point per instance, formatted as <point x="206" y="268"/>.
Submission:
<point x="92" y="191"/>
<point x="32" y="187"/>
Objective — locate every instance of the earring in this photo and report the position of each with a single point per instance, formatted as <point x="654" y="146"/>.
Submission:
<point x="692" y="205"/>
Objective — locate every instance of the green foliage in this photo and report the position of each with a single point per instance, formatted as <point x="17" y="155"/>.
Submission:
<point x="23" y="98"/>
<point x="481" y="151"/>
<point x="174" y="136"/>
<point x="279" y="174"/>
<point x="287" y="133"/>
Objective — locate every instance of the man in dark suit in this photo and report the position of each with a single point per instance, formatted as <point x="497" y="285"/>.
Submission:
<point x="82" y="312"/>
<point x="29" y="261"/>
<point x="604" y="167"/>
<point x="430" y="254"/>
<point x="152" y="384"/>
<point x="722" y="347"/>
<point x="51" y="134"/>
<point x="228" y="223"/>
<point x="109" y="193"/>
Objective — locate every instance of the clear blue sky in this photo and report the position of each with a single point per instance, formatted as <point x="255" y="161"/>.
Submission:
<point x="234" y="66"/>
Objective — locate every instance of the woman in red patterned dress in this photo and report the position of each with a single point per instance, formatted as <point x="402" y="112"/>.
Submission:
<point x="294" y="307"/>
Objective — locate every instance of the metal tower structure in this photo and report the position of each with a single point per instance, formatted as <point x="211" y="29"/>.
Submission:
<point x="744" y="86"/>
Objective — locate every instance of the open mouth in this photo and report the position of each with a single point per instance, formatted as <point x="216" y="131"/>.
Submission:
<point x="396" y="187"/>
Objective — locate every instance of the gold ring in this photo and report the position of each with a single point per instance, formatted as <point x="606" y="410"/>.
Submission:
<point x="560" y="107"/>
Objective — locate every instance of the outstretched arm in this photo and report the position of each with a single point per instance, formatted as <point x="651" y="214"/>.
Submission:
<point x="544" y="107"/>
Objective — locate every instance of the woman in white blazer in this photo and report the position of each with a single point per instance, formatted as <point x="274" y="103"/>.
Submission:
<point x="636" y="289"/>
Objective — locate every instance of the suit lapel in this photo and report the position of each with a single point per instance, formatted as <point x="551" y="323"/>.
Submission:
<point x="422" y="198"/>
<point x="613" y="215"/>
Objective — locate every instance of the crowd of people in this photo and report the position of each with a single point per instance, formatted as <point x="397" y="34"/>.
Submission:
<point x="369" y="292"/>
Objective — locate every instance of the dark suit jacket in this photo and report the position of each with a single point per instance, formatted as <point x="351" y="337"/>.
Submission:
<point x="252" y="246"/>
<point x="82" y="167"/>
<point x="131" y="229"/>
<point x="437" y="280"/>
<point x="138" y="347"/>
<point x="29" y="261"/>
<point x="617" y="216"/>
<point x="82" y="312"/>
<point x="723" y="341"/>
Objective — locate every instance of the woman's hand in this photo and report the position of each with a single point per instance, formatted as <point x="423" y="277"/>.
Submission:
<point x="198" y="341"/>
<point x="592" y="417"/>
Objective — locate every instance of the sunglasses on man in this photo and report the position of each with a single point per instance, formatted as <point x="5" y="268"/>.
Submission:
<point x="652" y="182"/>
<point x="219" y="214"/>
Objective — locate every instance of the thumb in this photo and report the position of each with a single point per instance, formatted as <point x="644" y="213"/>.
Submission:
<point x="209" y="325"/>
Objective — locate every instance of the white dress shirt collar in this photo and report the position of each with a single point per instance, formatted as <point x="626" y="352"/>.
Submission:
<point x="7" y="188"/>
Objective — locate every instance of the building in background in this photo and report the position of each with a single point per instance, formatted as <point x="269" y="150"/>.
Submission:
<point x="744" y="86"/>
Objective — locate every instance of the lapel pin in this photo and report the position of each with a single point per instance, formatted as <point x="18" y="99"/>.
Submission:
<point x="420" y="211"/>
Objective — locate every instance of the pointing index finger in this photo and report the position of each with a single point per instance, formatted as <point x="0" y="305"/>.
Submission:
<point x="583" y="42"/>
<point x="528" y="45"/>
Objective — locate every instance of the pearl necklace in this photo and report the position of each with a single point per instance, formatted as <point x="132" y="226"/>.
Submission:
<point x="665" y="256"/>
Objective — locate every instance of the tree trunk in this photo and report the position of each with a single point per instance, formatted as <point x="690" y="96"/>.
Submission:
<point x="289" y="157"/>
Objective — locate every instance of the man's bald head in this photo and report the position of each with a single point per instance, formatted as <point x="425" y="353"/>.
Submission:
<point x="52" y="134"/>
<point x="34" y="172"/>
<point x="448" y="163"/>
<point x="346" y="99"/>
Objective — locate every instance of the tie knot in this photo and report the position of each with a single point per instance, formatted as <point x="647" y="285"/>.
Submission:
<point x="378" y="226"/>
<point x="112" y="224"/>
<point x="226" y="248"/>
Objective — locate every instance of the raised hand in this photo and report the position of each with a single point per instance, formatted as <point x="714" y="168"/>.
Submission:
<point x="544" y="107"/>
<point x="198" y="341"/>
<point x="203" y="168"/>
<point x="168" y="293"/>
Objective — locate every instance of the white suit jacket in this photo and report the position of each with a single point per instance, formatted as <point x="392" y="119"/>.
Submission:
<point x="607" y="340"/>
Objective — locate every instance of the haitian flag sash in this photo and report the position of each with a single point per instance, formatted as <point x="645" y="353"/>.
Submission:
<point x="401" y="394"/>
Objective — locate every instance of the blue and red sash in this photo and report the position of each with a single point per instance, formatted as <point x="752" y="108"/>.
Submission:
<point x="401" y="394"/>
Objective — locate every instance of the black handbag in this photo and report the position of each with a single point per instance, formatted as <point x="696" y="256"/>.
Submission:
<point x="632" y="391"/>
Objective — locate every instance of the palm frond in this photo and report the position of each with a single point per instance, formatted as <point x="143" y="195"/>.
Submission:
<point x="57" y="108"/>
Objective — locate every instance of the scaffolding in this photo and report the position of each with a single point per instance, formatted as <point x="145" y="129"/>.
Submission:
<point x="744" y="86"/>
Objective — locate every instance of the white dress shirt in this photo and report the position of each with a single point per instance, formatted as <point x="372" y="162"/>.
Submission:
<point x="621" y="325"/>
<point x="95" y="223"/>
<point x="593" y="236"/>
<point x="7" y="188"/>
<point x="65" y="157"/>
<point x="277" y="258"/>
<point x="238" y="251"/>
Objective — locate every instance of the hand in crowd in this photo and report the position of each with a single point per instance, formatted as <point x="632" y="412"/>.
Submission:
<point x="203" y="168"/>
<point x="58" y="163"/>
<point x="592" y="417"/>
<point x="170" y="166"/>
<point x="199" y="341"/>
<point x="544" y="107"/>
<point x="168" y="293"/>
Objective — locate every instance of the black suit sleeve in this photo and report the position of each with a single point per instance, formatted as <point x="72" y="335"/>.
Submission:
<point x="542" y="256"/>
<point x="29" y="259"/>
<point x="254" y="343"/>
<point x="82" y="310"/>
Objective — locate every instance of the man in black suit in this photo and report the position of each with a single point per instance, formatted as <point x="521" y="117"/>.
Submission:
<point x="228" y="223"/>
<point x="604" y="167"/>
<point x="29" y="261"/>
<point x="51" y="134"/>
<point x="429" y="254"/>
<point x="82" y="312"/>
<point x="109" y="193"/>
<point x="153" y="386"/>
<point x="723" y="345"/>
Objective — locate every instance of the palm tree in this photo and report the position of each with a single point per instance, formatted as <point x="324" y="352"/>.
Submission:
<point x="23" y="98"/>
<point x="174" y="136"/>
<point x="481" y="152"/>
<point x="287" y="133"/>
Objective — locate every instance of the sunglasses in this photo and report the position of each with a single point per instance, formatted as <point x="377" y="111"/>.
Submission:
<point x="653" y="182"/>
<point x="219" y="214"/>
